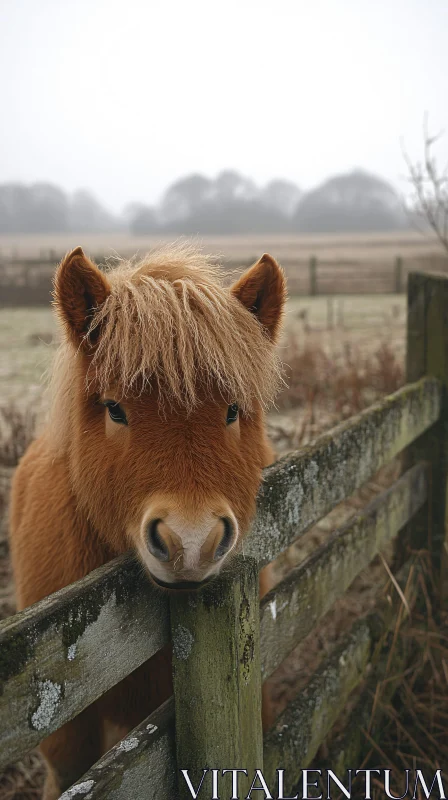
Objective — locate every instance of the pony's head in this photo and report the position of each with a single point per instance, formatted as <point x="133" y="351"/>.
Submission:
<point x="160" y="389"/>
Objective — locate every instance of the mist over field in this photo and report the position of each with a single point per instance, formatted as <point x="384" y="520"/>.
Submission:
<point x="228" y="204"/>
<point x="178" y="119"/>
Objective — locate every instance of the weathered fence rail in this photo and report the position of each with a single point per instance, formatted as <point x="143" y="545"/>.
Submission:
<point x="149" y="750"/>
<point x="307" y="720"/>
<point x="63" y="653"/>
<point x="301" y="488"/>
<point x="58" y="656"/>
<point x="290" y="611"/>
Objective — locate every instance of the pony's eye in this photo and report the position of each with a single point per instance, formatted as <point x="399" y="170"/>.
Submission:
<point x="232" y="414"/>
<point x="116" y="413"/>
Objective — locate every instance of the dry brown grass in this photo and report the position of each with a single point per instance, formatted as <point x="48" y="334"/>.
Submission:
<point x="410" y="730"/>
<point x="346" y="383"/>
<point x="24" y="780"/>
<point x="324" y="388"/>
<point x="421" y="703"/>
<point x="16" y="433"/>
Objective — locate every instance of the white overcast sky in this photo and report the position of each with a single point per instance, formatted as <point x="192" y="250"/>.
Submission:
<point x="124" y="96"/>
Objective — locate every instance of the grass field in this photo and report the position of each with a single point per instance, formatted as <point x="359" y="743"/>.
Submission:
<point x="27" y="338"/>
<point x="28" y="335"/>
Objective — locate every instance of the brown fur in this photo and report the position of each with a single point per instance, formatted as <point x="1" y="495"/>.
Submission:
<point x="175" y="348"/>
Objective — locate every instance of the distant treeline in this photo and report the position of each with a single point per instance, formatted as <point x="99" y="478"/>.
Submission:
<point x="228" y="204"/>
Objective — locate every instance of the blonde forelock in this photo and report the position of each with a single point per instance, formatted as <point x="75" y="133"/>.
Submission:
<point x="170" y="322"/>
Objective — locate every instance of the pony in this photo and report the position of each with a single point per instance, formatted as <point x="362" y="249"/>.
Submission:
<point x="155" y="441"/>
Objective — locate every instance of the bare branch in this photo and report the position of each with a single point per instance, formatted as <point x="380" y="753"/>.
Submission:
<point x="430" y="187"/>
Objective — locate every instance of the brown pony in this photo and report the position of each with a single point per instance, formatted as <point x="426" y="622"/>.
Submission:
<point x="155" y="441"/>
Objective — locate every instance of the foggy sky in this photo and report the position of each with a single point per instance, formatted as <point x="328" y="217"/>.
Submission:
<point x="124" y="96"/>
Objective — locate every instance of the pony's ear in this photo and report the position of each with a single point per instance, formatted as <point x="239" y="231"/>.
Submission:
<point x="79" y="288"/>
<point x="262" y="289"/>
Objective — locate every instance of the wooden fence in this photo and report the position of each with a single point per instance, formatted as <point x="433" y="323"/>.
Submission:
<point x="27" y="282"/>
<point x="63" y="653"/>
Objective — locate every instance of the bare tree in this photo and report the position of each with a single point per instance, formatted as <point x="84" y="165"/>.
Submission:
<point x="430" y="187"/>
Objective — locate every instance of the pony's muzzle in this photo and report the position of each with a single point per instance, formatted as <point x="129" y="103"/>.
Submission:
<point x="185" y="546"/>
<point x="166" y="545"/>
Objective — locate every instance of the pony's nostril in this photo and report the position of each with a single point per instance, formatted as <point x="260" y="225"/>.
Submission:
<point x="226" y="539"/>
<point x="156" y="544"/>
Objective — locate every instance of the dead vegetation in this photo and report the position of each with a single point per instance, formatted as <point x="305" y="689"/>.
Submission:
<point x="327" y="384"/>
<point x="16" y="433"/>
<point x="345" y="382"/>
<point x="24" y="780"/>
<point x="409" y="730"/>
<point x="430" y="188"/>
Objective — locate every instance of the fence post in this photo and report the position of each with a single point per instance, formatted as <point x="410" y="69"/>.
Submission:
<point x="398" y="275"/>
<point x="427" y="354"/>
<point x="217" y="679"/>
<point x="340" y="319"/>
<point x="313" y="276"/>
<point x="330" y="313"/>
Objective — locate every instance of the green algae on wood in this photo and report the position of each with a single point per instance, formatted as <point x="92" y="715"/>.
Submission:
<point x="385" y="676"/>
<point x="350" y="746"/>
<point x="302" y="487"/>
<point x="290" y="610"/>
<point x="217" y="675"/>
<point x="300" y="730"/>
<point x="427" y="354"/>
<point x="64" y="652"/>
<point x="294" y="739"/>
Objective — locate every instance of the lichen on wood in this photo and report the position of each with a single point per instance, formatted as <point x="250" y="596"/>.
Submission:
<point x="142" y="766"/>
<point x="385" y="675"/>
<point x="217" y="676"/>
<point x="289" y="611"/>
<point x="302" y="487"/>
<point x="61" y="654"/>
<point x="300" y="729"/>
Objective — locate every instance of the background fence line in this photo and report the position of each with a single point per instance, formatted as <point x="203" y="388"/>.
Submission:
<point x="28" y="281"/>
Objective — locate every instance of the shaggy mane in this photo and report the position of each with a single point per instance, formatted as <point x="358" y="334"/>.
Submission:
<point x="170" y="322"/>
